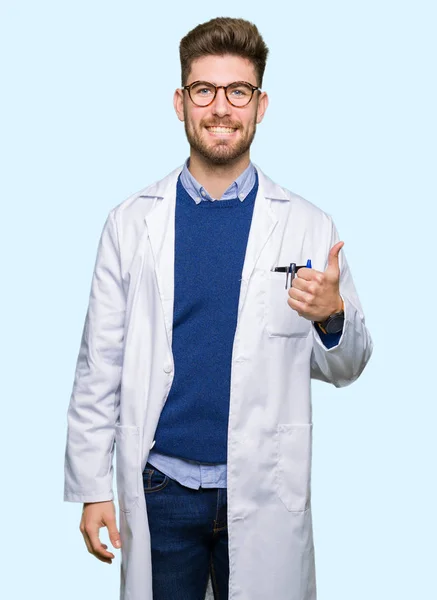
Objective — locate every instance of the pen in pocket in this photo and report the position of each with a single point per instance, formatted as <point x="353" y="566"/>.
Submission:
<point x="292" y="269"/>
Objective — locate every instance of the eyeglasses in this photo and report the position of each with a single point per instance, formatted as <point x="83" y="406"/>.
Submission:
<point x="203" y="93"/>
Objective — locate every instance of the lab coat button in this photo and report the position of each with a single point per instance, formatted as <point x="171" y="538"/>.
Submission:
<point x="168" y="368"/>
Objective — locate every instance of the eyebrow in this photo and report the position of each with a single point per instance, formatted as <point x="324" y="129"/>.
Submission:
<point x="234" y="81"/>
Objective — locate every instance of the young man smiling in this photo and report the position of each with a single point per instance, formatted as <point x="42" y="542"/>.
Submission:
<point x="220" y="133"/>
<point x="216" y="296"/>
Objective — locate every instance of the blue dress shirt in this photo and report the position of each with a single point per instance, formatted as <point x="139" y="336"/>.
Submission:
<point x="239" y="189"/>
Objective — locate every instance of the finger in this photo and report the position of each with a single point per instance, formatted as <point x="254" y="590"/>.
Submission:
<point x="333" y="256"/>
<point x="97" y="547"/>
<point x="304" y="285"/>
<point x="114" y="534"/>
<point x="299" y="295"/>
<point x="87" y="542"/>
<point x="308" y="274"/>
<point x="84" y="534"/>
<point x="93" y="552"/>
<point x="296" y="305"/>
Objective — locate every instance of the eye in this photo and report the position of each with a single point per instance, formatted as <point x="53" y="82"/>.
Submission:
<point x="202" y="89"/>
<point x="240" y="90"/>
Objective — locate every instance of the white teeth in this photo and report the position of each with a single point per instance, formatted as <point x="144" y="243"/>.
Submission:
<point x="221" y="129"/>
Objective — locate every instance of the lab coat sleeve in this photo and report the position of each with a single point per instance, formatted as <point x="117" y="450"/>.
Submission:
<point x="94" y="402"/>
<point x="343" y="363"/>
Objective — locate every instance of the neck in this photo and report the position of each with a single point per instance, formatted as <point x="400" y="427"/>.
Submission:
<point x="216" y="178"/>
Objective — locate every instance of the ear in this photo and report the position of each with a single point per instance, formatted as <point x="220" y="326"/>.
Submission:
<point x="263" y="103"/>
<point x="178" y="103"/>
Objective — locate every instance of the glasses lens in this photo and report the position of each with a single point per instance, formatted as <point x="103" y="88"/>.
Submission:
<point x="202" y="93"/>
<point x="239" y="94"/>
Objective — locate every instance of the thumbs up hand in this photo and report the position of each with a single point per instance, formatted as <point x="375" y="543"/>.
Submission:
<point x="314" y="294"/>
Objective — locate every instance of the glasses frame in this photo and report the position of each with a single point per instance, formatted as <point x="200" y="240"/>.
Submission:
<point x="224" y="88"/>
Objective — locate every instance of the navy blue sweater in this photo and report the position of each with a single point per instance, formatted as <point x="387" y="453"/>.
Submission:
<point x="210" y="245"/>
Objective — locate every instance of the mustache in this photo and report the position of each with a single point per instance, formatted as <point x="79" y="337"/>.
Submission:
<point x="222" y="123"/>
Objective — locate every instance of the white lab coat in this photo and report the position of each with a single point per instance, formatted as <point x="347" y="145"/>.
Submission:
<point x="125" y="370"/>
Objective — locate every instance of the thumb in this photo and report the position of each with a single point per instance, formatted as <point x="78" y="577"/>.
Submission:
<point x="333" y="257"/>
<point x="114" y="534"/>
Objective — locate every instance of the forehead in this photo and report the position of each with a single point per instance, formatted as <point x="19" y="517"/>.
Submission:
<point x="222" y="70"/>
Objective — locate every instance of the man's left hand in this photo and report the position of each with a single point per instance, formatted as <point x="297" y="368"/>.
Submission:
<point x="315" y="294"/>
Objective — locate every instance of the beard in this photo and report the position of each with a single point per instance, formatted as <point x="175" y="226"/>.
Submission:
<point x="220" y="151"/>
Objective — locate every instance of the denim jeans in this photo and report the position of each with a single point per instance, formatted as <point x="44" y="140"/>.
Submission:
<point x="189" y="538"/>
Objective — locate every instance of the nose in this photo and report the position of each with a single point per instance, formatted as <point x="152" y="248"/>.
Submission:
<point x="221" y="106"/>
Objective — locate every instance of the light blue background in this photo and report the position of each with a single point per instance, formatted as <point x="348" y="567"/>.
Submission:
<point x="351" y="126"/>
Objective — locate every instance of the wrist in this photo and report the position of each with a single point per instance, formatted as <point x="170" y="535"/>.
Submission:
<point x="333" y="323"/>
<point x="340" y="305"/>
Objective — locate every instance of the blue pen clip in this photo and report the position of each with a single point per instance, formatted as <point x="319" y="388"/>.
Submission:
<point x="291" y="270"/>
<point x="309" y="266"/>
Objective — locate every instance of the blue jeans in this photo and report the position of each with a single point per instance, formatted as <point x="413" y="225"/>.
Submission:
<point x="189" y="538"/>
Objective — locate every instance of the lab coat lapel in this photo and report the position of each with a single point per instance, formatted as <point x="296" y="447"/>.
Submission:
<point x="161" y="231"/>
<point x="264" y="222"/>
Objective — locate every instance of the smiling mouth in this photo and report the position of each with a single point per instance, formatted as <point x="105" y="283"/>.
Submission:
<point x="221" y="129"/>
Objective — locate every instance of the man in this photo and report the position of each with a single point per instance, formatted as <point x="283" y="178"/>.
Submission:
<point x="216" y="296"/>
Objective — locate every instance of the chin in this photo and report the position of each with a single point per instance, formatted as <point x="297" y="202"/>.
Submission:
<point x="219" y="152"/>
<point x="222" y="157"/>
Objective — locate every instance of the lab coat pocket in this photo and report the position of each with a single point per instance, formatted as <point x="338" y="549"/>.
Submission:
<point x="281" y="319"/>
<point x="293" y="465"/>
<point x="127" y="465"/>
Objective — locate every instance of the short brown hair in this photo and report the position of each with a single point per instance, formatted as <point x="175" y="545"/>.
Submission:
<point x="220" y="36"/>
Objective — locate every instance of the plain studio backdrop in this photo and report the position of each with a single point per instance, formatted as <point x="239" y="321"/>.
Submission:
<point x="87" y="119"/>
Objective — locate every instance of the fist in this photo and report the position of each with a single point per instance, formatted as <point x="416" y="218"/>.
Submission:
<point x="315" y="295"/>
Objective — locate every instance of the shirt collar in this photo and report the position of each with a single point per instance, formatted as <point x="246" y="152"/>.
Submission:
<point x="240" y="188"/>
